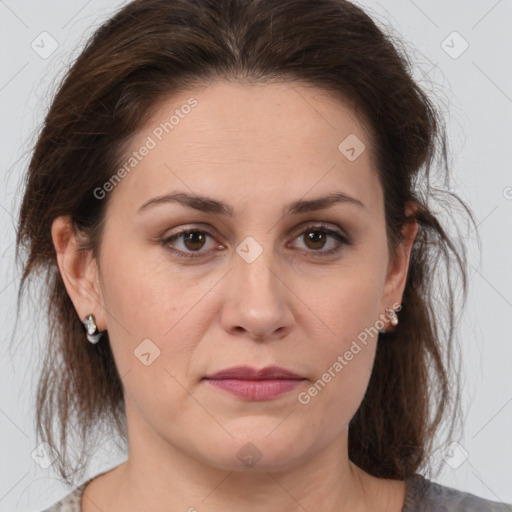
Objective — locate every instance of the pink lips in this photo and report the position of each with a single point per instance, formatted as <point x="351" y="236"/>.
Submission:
<point x="254" y="384"/>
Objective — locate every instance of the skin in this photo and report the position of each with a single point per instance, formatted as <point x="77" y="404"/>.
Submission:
<point x="257" y="148"/>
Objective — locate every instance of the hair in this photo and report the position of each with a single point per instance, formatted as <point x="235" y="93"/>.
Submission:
<point x="152" y="49"/>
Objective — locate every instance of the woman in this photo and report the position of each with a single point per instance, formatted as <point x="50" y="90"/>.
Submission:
<point x="228" y="199"/>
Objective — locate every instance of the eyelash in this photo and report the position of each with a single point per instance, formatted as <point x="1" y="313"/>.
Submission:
<point x="343" y="241"/>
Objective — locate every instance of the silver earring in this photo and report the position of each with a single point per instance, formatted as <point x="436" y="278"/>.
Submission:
<point x="91" y="329"/>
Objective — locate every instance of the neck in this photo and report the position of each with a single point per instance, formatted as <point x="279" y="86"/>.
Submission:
<point x="160" y="476"/>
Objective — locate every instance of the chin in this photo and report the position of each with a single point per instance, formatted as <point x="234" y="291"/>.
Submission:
<point x="265" y="449"/>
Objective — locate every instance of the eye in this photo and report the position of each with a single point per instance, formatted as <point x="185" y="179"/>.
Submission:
<point x="193" y="241"/>
<point x="316" y="238"/>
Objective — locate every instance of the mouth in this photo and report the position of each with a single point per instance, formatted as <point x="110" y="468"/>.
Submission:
<point x="253" y="384"/>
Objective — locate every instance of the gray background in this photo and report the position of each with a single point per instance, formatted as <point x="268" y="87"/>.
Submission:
<point x="475" y="89"/>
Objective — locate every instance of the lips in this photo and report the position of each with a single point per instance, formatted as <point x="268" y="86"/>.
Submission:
<point x="249" y="373"/>
<point x="255" y="385"/>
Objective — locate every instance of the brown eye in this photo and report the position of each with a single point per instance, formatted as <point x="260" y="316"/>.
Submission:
<point x="188" y="243"/>
<point x="194" y="240"/>
<point x="315" y="239"/>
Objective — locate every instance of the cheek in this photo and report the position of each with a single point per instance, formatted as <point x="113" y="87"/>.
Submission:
<point x="344" y="356"/>
<point x="345" y="301"/>
<point x="153" y="306"/>
<point x="345" y="335"/>
<point x="138" y="290"/>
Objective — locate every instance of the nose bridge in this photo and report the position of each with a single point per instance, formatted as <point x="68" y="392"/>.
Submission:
<point x="255" y="268"/>
<point x="258" y="302"/>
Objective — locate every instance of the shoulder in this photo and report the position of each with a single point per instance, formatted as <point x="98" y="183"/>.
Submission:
<point x="422" y="495"/>
<point x="71" y="502"/>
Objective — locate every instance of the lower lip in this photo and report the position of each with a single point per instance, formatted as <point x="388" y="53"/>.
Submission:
<point x="256" y="389"/>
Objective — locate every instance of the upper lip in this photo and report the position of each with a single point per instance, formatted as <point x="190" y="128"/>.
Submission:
<point x="249" y="373"/>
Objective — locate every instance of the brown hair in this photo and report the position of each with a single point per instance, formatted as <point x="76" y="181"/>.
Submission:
<point x="152" y="49"/>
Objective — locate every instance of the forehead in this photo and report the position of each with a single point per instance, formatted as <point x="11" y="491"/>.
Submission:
<point x="251" y="139"/>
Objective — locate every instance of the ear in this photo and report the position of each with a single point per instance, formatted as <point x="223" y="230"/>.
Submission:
<point x="399" y="262"/>
<point x="79" y="272"/>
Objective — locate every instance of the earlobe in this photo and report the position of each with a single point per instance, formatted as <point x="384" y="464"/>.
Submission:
<point x="78" y="270"/>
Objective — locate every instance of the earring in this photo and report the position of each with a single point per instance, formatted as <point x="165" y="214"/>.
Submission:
<point x="393" y="318"/>
<point x="92" y="333"/>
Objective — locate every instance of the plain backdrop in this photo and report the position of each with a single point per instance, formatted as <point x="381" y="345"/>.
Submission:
<point x="462" y="53"/>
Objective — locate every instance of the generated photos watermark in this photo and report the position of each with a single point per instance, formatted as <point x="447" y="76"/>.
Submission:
<point x="304" y="397"/>
<point x="151" y="142"/>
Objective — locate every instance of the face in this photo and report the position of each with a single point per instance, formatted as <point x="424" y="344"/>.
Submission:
<point x="257" y="281"/>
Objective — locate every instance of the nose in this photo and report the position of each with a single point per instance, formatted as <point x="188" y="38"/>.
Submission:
<point x="257" y="299"/>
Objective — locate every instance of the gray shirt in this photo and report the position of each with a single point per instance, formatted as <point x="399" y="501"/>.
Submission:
<point x="421" y="495"/>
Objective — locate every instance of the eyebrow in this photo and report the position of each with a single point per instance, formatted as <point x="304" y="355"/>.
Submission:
<point x="210" y="205"/>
